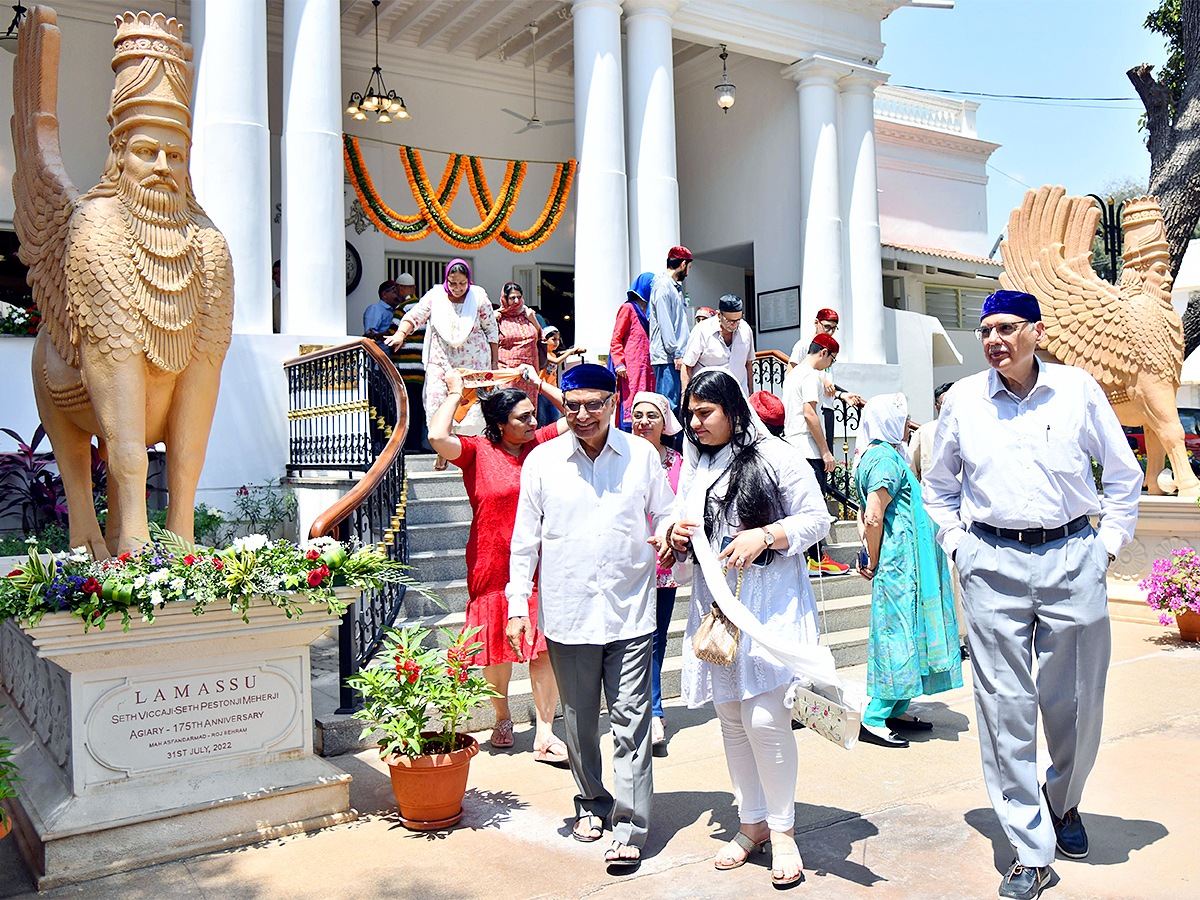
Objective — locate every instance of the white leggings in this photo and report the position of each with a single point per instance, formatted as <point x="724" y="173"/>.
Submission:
<point x="760" y="750"/>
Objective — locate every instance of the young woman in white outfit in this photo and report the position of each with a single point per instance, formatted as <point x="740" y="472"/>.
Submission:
<point x="753" y="495"/>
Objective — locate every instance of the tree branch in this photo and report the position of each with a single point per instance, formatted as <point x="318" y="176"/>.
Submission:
<point x="1157" y="101"/>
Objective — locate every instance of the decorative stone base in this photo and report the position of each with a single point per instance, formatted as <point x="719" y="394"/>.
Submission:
<point x="183" y="737"/>
<point x="1164" y="524"/>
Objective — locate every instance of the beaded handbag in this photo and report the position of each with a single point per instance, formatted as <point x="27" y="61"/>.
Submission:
<point x="716" y="640"/>
<point x="836" y="722"/>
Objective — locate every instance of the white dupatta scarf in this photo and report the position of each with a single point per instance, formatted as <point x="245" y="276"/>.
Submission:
<point x="453" y="322"/>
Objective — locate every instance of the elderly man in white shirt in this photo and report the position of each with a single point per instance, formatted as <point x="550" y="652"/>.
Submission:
<point x="1022" y="437"/>
<point x="724" y="342"/>
<point x="590" y="500"/>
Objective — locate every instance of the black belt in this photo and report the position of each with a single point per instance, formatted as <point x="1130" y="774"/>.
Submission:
<point x="1035" y="536"/>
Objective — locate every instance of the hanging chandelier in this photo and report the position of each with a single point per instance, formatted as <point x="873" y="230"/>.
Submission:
<point x="376" y="98"/>
<point x="725" y="91"/>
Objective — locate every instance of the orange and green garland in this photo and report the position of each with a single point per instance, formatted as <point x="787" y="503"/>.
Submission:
<point x="434" y="205"/>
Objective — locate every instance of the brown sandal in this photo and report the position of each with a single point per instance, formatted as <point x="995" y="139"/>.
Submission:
<point x="748" y="844"/>
<point x="502" y="734"/>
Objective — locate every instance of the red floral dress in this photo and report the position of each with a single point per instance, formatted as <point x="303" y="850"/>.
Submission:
<point x="492" y="478"/>
<point x="519" y="345"/>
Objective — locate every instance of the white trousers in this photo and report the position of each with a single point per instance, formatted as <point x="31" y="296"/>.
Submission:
<point x="760" y="751"/>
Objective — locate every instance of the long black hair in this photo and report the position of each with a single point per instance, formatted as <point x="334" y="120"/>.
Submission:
<point x="497" y="406"/>
<point x="753" y="492"/>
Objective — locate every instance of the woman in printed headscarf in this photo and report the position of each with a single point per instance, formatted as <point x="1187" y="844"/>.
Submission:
<point x="519" y="336"/>
<point x="913" y="644"/>
<point x="629" y="349"/>
<point x="462" y="335"/>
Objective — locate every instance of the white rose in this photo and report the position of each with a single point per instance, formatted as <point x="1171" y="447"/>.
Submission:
<point x="251" y="542"/>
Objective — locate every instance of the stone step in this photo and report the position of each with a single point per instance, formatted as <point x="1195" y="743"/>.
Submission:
<point x="438" y="536"/>
<point x="421" y="462"/>
<point x="844" y="532"/>
<point x="438" y="510"/>
<point x="438" y="565"/>
<point x="433" y="485"/>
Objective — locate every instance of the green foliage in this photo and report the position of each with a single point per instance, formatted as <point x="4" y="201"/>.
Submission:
<point x="8" y="776"/>
<point x="51" y="537"/>
<point x="260" y="509"/>
<point x="411" y="682"/>
<point x="1167" y="20"/>
<point x="20" y="318"/>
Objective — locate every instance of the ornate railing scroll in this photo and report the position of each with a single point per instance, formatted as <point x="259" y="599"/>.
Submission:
<point x="348" y="409"/>
<point x="769" y="368"/>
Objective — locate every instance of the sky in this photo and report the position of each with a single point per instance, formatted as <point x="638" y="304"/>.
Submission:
<point x="1055" y="48"/>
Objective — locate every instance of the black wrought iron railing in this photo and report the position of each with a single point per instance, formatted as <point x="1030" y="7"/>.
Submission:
<point x="348" y="409"/>
<point x="769" y="368"/>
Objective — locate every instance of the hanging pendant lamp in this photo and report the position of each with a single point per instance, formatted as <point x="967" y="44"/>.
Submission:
<point x="376" y="98"/>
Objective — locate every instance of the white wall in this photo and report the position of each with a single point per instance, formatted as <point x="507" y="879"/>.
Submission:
<point x="707" y="282"/>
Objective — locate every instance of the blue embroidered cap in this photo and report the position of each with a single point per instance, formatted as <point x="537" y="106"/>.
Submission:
<point x="588" y="377"/>
<point x="1016" y="303"/>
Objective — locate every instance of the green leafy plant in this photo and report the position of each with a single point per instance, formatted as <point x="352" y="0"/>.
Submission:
<point x="412" y="682"/>
<point x="29" y="485"/>
<point x="19" y="319"/>
<point x="8" y="778"/>
<point x="260" y="509"/>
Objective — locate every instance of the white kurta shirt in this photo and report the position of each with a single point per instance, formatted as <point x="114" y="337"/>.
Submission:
<point x="706" y="349"/>
<point x="1027" y="463"/>
<point x="588" y="521"/>
<point x="779" y="594"/>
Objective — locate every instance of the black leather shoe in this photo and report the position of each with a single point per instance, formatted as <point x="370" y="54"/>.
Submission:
<point x="1024" y="882"/>
<point x="1069" y="834"/>
<point x="914" y="724"/>
<point x="964" y="652"/>
<point x="890" y="740"/>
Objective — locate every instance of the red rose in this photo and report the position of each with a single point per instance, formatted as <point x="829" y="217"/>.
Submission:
<point x="312" y="554"/>
<point x="189" y="560"/>
<point x="316" y="576"/>
<point x="218" y="565"/>
<point x="91" y="586"/>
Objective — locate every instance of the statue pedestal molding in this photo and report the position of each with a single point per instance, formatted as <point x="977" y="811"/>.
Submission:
<point x="1164" y="524"/>
<point x="186" y="736"/>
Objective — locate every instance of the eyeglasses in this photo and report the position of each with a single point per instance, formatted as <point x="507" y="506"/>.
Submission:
<point x="828" y="327"/>
<point x="592" y="406"/>
<point x="728" y="322"/>
<point x="1004" y="329"/>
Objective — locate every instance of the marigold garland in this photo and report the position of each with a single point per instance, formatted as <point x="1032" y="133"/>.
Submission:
<point x="434" y="206"/>
<point x="390" y="222"/>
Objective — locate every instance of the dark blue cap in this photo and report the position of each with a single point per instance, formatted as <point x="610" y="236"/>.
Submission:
<point x="1016" y="303"/>
<point x="588" y="377"/>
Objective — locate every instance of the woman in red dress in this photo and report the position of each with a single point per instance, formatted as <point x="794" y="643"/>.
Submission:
<point x="519" y="335"/>
<point x="491" y="468"/>
<point x="629" y="349"/>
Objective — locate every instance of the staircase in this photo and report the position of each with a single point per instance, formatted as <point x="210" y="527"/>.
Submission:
<point x="439" y="520"/>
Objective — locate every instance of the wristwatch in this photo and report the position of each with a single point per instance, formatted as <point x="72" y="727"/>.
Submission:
<point x="768" y="537"/>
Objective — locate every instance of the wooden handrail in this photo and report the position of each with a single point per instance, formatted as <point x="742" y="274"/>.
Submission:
<point x="772" y="354"/>
<point x="328" y="521"/>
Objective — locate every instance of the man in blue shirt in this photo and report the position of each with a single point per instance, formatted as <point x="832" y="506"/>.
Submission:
<point x="377" y="318"/>
<point x="669" y="324"/>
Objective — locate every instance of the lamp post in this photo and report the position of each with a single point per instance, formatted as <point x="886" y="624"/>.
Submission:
<point x="1110" y="231"/>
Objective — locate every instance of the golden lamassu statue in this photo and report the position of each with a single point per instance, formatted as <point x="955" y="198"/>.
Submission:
<point x="1128" y="336"/>
<point x="134" y="283"/>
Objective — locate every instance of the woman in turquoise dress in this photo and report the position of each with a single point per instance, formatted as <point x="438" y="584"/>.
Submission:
<point x="913" y="644"/>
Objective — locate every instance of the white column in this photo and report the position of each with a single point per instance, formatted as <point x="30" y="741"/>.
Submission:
<point x="231" y="149"/>
<point x="313" y="255"/>
<point x="860" y="212"/>
<point x="820" y="204"/>
<point x="601" y="221"/>
<point x="653" y="185"/>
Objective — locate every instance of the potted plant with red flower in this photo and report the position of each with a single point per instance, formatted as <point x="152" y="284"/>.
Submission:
<point x="8" y="775"/>
<point x="411" y="685"/>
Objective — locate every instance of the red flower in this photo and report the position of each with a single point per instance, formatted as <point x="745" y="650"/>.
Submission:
<point x="15" y="572"/>
<point x="124" y="558"/>
<point x="243" y="491"/>
<point x="462" y="676"/>
<point x="412" y="676"/>
<point x="217" y="564"/>
<point x="189" y="560"/>
<point x="91" y="586"/>
<point x="316" y="576"/>
<point x="312" y="554"/>
<point x="452" y="654"/>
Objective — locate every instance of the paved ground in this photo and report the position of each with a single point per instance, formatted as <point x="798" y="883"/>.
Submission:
<point x="874" y="822"/>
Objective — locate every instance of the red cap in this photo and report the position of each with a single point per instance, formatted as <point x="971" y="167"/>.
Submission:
<point x="709" y="312"/>
<point x="768" y="406"/>
<point x="827" y="342"/>
<point x="826" y="315"/>
<point x="679" y="253"/>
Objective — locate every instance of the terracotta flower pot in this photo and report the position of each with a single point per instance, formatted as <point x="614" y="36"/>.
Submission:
<point x="429" y="789"/>
<point x="1189" y="625"/>
<point x="5" y="827"/>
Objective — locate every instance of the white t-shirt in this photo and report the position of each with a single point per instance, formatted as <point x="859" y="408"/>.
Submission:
<point x="802" y="385"/>
<point x="706" y="349"/>
<point x="799" y="351"/>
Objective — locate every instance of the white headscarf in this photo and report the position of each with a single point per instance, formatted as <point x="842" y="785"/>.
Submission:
<point x="670" y="423"/>
<point x="884" y="418"/>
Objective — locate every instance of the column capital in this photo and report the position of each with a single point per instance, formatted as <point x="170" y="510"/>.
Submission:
<point x="664" y="8"/>
<point x="817" y="69"/>
<point x="862" y="80"/>
<point x="577" y="5"/>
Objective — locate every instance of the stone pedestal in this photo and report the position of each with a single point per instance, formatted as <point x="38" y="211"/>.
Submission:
<point x="1164" y="524"/>
<point x="186" y="736"/>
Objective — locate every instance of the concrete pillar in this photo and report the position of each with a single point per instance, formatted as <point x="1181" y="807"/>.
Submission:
<point x="231" y="146"/>
<point x="601" y="218"/>
<point x="821" y="283"/>
<point x="313" y="255"/>
<point x="653" y="184"/>
<point x="860" y="215"/>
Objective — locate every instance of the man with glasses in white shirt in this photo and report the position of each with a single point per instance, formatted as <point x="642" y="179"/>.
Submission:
<point x="1022" y="436"/>
<point x="590" y="500"/>
<point x="723" y="341"/>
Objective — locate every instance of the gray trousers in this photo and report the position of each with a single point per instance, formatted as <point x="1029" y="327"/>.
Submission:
<point x="1051" y="602"/>
<point x="622" y="670"/>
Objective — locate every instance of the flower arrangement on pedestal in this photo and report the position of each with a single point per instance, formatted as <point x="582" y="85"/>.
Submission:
<point x="1174" y="586"/>
<point x="168" y="570"/>
<point x="415" y="682"/>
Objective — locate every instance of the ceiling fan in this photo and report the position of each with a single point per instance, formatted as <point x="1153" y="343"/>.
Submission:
<point x="533" y="123"/>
